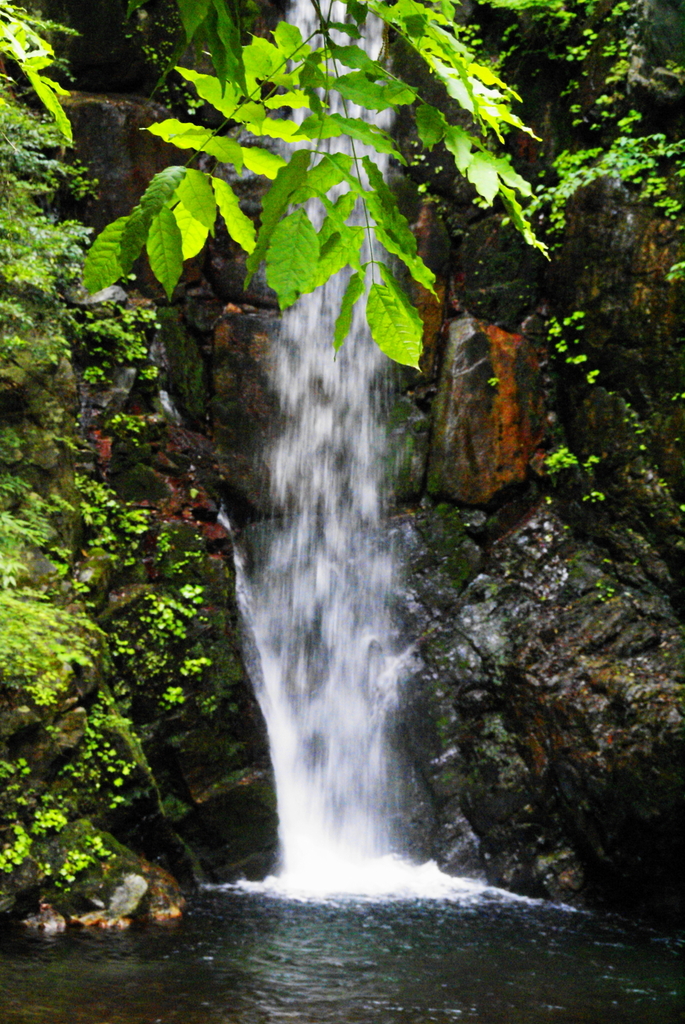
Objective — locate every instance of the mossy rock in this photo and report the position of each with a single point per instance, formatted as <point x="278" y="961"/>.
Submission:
<point x="99" y="881"/>
<point x="141" y="483"/>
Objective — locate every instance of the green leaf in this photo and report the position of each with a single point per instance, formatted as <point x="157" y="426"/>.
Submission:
<point x="510" y="177"/>
<point x="355" y="288"/>
<point x="47" y="92"/>
<point x="392" y="228"/>
<point x="393" y="330"/>
<point x="328" y="126"/>
<point x="460" y="145"/>
<point x="185" y="135"/>
<point x="355" y="57"/>
<point x="133" y="5"/>
<point x="294" y="98"/>
<point x="292" y="257"/>
<point x="102" y="267"/>
<point x="261" y="161"/>
<point x="195" y="192"/>
<point x="482" y="173"/>
<point x="240" y="228"/>
<point x="323" y="177"/>
<point x="311" y="74"/>
<point x="262" y="59"/>
<point x="158" y="192"/>
<point x="416" y="25"/>
<point x="338" y="250"/>
<point x="208" y="87"/>
<point x="358" y="11"/>
<point x="515" y="211"/>
<point x="165" y="250"/>
<point x="343" y="26"/>
<point x="339" y="211"/>
<point x="288" y="179"/>
<point x="459" y="89"/>
<point x="161" y="188"/>
<point x="193" y="13"/>
<point x="358" y="88"/>
<point x="225" y="46"/>
<point x="133" y="238"/>
<point x="193" y="233"/>
<point x="430" y="124"/>
<point x="288" y="39"/>
<point x="395" y="325"/>
<point x="273" y="127"/>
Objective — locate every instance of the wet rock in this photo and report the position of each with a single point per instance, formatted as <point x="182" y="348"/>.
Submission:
<point x="658" y="51"/>
<point x="70" y="729"/>
<point x="497" y="274"/>
<point x="141" y="483"/>
<point x="408" y="443"/>
<point x="553" y="683"/>
<point x="243" y="407"/>
<point x="226" y="273"/>
<point x="127" y="896"/>
<point x="47" y="920"/>
<point x="487" y="415"/>
<point x="612" y="265"/>
<point x="106" y="885"/>
<point x="185" y="365"/>
<point x="96" y="573"/>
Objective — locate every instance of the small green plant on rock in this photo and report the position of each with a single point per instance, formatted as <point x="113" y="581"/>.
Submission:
<point x="99" y="767"/>
<point x="112" y="525"/>
<point x="114" y="336"/>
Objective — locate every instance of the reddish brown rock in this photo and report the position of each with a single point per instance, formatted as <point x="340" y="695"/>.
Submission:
<point x="487" y="416"/>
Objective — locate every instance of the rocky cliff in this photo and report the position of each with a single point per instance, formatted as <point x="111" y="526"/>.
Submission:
<point x="538" y="472"/>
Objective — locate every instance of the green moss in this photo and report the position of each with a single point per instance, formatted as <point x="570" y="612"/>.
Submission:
<point x="141" y="483"/>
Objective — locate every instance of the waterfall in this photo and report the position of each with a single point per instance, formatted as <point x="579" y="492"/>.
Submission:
<point x="317" y="603"/>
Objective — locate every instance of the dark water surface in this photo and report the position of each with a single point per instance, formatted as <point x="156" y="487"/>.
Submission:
<point x="247" y="958"/>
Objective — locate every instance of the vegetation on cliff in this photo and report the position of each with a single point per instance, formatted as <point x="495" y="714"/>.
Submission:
<point x="125" y="716"/>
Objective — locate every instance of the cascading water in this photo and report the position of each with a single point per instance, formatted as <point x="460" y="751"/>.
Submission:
<point x="318" y="603"/>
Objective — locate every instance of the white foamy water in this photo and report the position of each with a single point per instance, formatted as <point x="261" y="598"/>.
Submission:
<point x="324" y="874"/>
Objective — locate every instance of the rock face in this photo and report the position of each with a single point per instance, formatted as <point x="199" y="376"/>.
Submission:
<point x="543" y="732"/>
<point x="243" y="409"/>
<point x="544" y="722"/>
<point x="487" y="414"/>
<point x="554" y="680"/>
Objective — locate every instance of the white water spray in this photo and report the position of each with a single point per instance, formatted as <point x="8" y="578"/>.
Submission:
<point x="317" y="607"/>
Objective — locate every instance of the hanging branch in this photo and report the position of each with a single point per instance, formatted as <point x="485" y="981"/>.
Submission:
<point x="178" y="210"/>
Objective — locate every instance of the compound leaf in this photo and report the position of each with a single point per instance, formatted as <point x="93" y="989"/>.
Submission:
<point x="395" y="325"/>
<point x="193" y="233"/>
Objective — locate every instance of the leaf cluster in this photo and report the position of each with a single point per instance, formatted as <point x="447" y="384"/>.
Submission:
<point x="41" y="643"/>
<point x="38" y="258"/>
<point x="22" y="41"/>
<point x="322" y="85"/>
